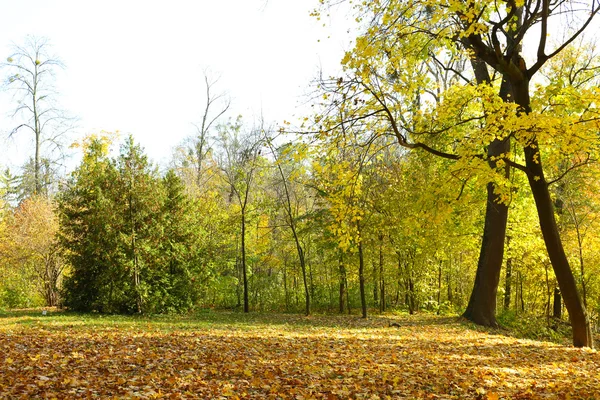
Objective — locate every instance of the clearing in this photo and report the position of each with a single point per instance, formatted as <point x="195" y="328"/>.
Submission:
<point x="230" y="355"/>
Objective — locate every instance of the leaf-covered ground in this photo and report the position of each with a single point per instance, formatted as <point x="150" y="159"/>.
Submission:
<point x="229" y="356"/>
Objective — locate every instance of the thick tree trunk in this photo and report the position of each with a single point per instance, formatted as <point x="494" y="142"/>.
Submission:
<point x="582" y="333"/>
<point x="482" y="303"/>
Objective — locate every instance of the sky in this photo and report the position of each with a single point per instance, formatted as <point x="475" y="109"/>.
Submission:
<point x="137" y="66"/>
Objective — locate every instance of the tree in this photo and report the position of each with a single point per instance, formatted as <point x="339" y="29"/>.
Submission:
<point x="200" y="147"/>
<point x="288" y="199"/>
<point x="180" y="252"/>
<point x="138" y="192"/>
<point x="10" y="187"/>
<point x="387" y="91"/>
<point x="239" y="162"/>
<point x="31" y="71"/>
<point x="34" y="231"/>
<point x="128" y="234"/>
<point x="89" y="231"/>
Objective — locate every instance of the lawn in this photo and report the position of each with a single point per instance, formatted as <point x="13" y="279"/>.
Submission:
<point x="232" y="355"/>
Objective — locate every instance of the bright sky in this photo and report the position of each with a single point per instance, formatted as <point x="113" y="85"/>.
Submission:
<point x="137" y="65"/>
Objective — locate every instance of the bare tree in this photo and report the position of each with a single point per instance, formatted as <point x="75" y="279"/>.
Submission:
<point x="30" y="77"/>
<point x="200" y="146"/>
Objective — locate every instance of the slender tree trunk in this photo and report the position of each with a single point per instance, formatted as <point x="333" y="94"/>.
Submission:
<point x="348" y="302"/>
<point x="382" y="302"/>
<point x="361" y="273"/>
<point x="375" y="284"/>
<point x="244" y="267"/>
<point x="521" y="292"/>
<point x="439" y="290"/>
<point x="412" y="306"/>
<point x="285" y="287"/>
<point x="292" y="224"/>
<point x="449" y="288"/>
<point x="399" y="284"/>
<point x="342" y="282"/>
<point x="507" y="279"/>
<point x="411" y="298"/>
<point x="38" y="134"/>
<point x="581" y="263"/>
<point x="303" y="268"/>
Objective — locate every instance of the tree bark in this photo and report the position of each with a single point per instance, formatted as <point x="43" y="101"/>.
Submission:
<point x="482" y="303"/>
<point x="582" y="333"/>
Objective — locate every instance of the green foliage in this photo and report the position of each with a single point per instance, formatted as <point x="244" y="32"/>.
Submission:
<point x="532" y="326"/>
<point x="18" y="292"/>
<point x="128" y="236"/>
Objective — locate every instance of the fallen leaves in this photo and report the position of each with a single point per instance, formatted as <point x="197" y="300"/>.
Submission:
<point x="316" y="358"/>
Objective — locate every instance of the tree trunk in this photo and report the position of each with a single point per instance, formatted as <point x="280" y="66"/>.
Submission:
<point x="285" y="286"/>
<point x="581" y="263"/>
<point x="557" y="304"/>
<point x="361" y="273"/>
<point x="439" y="290"/>
<point x="482" y="303"/>
<point x="382" y="305"/>
<point x="507" y="279"/>
<point x="342" y="282"/>
<point x="411" y="297"/>
<point x="375" y="284"/>
<point x="38" y="133"/>
<point x="582" y="333"/>
<point x="522" y="300"/>
<point x="244" y="268"/>
<point x="303" y="268"/>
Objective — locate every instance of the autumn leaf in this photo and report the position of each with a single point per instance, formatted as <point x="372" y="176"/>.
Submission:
<point x="324" y="357"/>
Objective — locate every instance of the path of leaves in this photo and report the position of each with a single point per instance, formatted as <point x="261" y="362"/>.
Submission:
<point x="320" y="357"/>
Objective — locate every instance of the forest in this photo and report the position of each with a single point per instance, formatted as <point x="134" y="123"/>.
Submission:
<point x="450" y="169"/>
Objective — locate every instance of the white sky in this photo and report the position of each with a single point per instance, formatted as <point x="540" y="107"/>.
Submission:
<point x="137" y="65"/>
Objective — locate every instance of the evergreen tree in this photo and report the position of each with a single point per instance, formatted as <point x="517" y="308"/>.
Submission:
<point x="88" y="232"/>
<point x="179" y="248"/>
